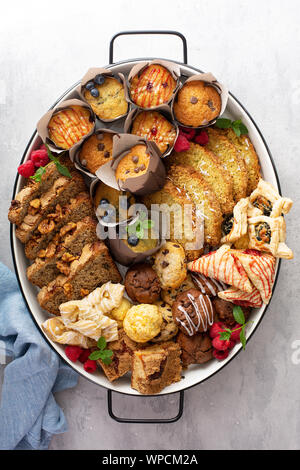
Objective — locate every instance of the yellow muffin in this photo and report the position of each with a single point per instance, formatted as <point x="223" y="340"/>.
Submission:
<point x="152" y="87"/>
<point x="111" y="102"/>
<point x="154" y="126"/>
<point x="197" y="104"/>
<point x="68" y="126"/>
<point x="105" y="197"/>
<point x="135" y="163"/>
<point x="96" y="151"/>
<point x="119" y="313"/>
<point x="142" y="322"/>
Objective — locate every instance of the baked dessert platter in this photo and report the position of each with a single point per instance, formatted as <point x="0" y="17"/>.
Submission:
<point x="149" y="229"/>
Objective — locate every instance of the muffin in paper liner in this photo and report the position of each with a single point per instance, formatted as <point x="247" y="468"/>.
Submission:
<point x="90" y="76"/>
<point x="74" y="153"/>
<point x="163" y="110"/>
<point x="152" y="180"/>
<point x="137" y="69"/>
<point x="42" y="125"/>
<point x="211" y="81"/>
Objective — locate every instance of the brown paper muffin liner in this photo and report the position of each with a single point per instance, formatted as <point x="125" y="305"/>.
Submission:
<point x="173" y="68"/>
<point x="42" y="125"/>
<point x="208" y="78"/>
<point x="165" y="110"/>
<point x="151" y="181"/>
<point x="90" y="75"/>
<point x="75" y="151"/>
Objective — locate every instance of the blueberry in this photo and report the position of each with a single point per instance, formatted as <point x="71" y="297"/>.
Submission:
<point x="133" y="240"/>
<point x="109" y="215"/>
<point x="104" y="202"/>
<point x="99" y="79"/>
<point x="94" y="92"/>
<point x="90" y="85"/>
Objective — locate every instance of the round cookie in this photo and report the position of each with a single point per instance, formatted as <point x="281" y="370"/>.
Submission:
<point x="134" y="163"/>
<point x="195" y="349"/>
<point x="169" y="295"/>
<point x="170" y="265"/>
<point x="152" y="87"/>
<point x="196" y="104"/>
<point x="169" y="329"/>
<point x="96" y="151"/>
<point x="68" y="126"/>
<point x="154" y="126"/>
<point x="142" y="322"/>
<point x="111" y="102"/>
<point x="142" y="284"/>
<point x="193" y="312"/>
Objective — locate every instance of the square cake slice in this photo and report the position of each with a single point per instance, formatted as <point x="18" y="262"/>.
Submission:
<point x="156" y="367"/>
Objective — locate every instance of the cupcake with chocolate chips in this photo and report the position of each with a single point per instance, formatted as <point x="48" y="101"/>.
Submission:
<point x="96" y="151"/>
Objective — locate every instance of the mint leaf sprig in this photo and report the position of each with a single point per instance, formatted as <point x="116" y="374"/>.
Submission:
<point x="102" y="353"/>
<point x="140" y="225"/>
<point x="240" y="319"/>
<point x="238" y="127"/>
<point x="63" y="170"/>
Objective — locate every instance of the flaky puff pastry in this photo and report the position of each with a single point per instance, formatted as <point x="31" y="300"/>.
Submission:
<point x="268" y="234"/>
<point x="238" y="297"/>
<point x="240" y="225"/>
<point x="265" y="200"/>
<point x="56" y="330"/>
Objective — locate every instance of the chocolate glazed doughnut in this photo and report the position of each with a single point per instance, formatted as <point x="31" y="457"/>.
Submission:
<point x="193" y="312"/>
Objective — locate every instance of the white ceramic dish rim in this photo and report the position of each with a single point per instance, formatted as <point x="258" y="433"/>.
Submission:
<point x="195" y="374"/>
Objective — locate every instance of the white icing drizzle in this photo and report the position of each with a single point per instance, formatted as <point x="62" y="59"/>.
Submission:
<point x="213" y="285"/>
<point x="206" y="319"/>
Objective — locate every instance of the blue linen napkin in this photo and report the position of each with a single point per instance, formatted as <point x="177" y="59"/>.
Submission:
<point x="29" y="414"/>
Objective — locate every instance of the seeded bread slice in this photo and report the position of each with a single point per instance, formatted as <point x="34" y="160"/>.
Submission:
<point x="60" y="193"/>
<point x="206" y="163"/>
<point x="94" y="267"/>
<point x="66" y="246"/>
<point x="20" y="205"/>
<point x="185" y="177"/>
<point x="77" y="208"/>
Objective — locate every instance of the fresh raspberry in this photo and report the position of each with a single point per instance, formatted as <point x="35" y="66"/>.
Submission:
<point x="220" y="344"/>
<point x="215" y="329"/>
<point x="39" y="157"/>
<point x="189" y="134"/>
<point x="235" y="335"/>
<point x="181" y="144"/>
<point x="201" y="138"/>
<point x="90" y="366"/>
<point x="26" y="169"/>
<point x="220" y="354"/>
<point x="73" y="352"/>
<point x="84" y="355"/>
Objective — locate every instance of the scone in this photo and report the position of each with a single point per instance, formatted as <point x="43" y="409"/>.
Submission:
<point x="154" y="126"/>
<point x="110" y="102"/>
<point x="196" y="104"/>
<point x="169" y="329"/>
<point x="142" y="322"/>
<point x="96" y="151"/>
<point x="68" y="126"/>
<point x="170" y="265"/>
<point x="134" y="163"/>
<point x="153" y="86"/>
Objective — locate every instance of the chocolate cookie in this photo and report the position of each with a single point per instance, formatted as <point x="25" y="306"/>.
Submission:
<point x="142" y="284"/>
<point x="207" y="285"/>
<point x="193" y="312"/>
<point x="196" y="349"/>
<point x="224" y="311"/>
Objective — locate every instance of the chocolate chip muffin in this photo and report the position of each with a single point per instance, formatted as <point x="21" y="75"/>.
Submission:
<point x="96" y="151"/>
<point x="142" y="284"/>
<point x="195" y="349"/>
<point x="134" y="163"/>
<point x="193" y="312"/>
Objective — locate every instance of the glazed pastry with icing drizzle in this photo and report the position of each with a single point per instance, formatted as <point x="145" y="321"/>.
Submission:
<point x="193" y="312"/>
<point x="207" y="285"/>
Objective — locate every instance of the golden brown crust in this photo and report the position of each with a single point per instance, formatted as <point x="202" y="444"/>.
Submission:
<point x="152" y="86"/>
<point x="68" y="126"/>
<point x="134" y="163"/>
<point x="96" y="151"/>
<point x="111" y="102"/>
<point x="154" y="126"/>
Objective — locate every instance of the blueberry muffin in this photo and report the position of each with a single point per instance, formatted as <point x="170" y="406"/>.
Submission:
<point x="153" y="86"/>
<point x="154" y="126"/>
<point x="197" y="103"/>
<point x="112" y="205"/>
<point x="134" y="163"/>
<point x="170" y="265"/>
<point x="68" y="126"/>
<point x="96" y="151"/>
<point x="106" y="97"/>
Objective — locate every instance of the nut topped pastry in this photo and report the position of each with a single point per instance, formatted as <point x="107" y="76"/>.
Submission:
<point x="197" y="103"/>
<point x="68" y="126"/>
<point x="154" y="126"/>
<point x="106" y="97"/>
<point x="96" y="151"/>
<point x="153" y="86"/>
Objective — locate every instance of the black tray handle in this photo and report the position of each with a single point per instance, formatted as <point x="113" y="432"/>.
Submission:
<point x="128" y="33"/>
<point x="146" y="420"/>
